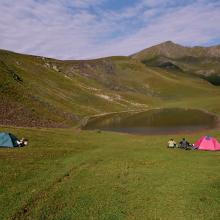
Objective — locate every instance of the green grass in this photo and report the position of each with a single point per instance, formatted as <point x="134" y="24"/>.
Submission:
<point x="68" y="174"/>
<point x="76" y="89"/>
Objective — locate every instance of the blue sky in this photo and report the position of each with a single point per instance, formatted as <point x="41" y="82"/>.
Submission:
<point x="84" y="29"/>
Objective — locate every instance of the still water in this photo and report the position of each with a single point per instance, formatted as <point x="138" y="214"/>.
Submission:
<point x="155" y="121"/>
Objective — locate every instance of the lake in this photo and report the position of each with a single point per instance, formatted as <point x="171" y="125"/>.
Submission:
<point x="155" y="121"/>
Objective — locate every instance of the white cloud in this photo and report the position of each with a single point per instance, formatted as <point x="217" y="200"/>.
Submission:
<point x="69" y="29"/>
<point x="195" y="24"/>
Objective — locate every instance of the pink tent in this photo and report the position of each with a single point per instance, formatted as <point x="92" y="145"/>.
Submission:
<point x="207" y="143"/>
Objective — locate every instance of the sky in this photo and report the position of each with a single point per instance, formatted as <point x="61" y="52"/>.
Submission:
<point x="87" y="29"/>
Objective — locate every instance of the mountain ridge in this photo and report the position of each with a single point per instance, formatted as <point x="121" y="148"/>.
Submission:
<point x="203" y="62"/>
<point x="213" y="51"/>
<point x="46" y="92"/>
<point x="170" y="49"/>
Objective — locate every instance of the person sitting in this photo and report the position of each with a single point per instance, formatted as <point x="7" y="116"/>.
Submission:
<point x="184" y="144"/>
<point x="19" y="143"/>
<point x="23" y="142"/>
<point x="171" y="143"/>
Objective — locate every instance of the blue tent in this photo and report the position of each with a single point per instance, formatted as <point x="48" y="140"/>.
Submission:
<point x="8" y="140"/>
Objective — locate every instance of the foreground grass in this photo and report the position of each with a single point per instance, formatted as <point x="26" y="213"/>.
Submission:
<point x="67" y="174"/>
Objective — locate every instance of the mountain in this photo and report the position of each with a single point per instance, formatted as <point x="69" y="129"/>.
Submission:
<point x="175" y="51"/>
<point x="44" y="92"/>
<point x="201" y="61"/>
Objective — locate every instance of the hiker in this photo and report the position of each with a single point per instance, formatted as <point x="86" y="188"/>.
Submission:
<point x="23" y="142"/>
<point x="184" y="144"/>
<point x="171" y="143"/>
<point x="18" y="143"/>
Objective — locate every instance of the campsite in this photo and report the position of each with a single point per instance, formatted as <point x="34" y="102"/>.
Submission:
<point x="91" y="156"/>
<point x="95" y="174"/>
<point x="106" y="157"/>
<point x="107" y="175"/>
<point x="109" y="110"/>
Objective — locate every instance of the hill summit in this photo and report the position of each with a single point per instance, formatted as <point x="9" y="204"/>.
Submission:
<point x="172" y="50"/>
<point x="200" y="61"/>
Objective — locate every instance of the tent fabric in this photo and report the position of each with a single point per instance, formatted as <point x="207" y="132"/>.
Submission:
<point x="8" y="140"/>
<point x="207" y="143"/>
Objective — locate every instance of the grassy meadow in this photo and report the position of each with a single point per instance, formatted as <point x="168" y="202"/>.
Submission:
<point x="72" y="174"/>
<point x="67" y="174"/>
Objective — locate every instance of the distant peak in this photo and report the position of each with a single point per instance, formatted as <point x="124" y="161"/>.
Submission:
<point x="168" y="42"/>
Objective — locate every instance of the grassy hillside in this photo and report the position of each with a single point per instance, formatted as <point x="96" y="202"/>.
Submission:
<point x="38" y="91"/>
<point x="67" y="173"/>
<point x="64" y="174"/>
<point x="172" y="50"/>
<point x="201" y="61"/>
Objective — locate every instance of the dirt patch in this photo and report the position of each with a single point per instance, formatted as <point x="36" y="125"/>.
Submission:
<point x="15" y="114"/>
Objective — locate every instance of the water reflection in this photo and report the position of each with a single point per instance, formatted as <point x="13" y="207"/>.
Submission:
<point x="155" y="121"/>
